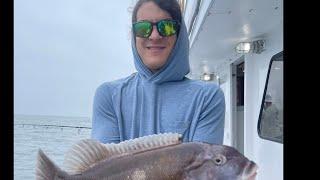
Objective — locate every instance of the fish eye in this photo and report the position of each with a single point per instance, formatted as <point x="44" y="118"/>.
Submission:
<point x="219" y="160"/>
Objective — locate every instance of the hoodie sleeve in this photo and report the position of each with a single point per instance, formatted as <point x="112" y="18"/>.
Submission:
<point x="104" y="122"/>
<point x="210" y="126"/>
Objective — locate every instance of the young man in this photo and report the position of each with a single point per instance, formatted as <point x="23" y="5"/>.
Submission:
<point x="158" y="98"/>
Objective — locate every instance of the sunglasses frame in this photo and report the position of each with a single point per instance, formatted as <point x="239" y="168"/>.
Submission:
<point x="157" y="25"/>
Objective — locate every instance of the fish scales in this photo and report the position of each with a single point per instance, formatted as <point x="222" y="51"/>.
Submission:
<point x="164" y="161"/>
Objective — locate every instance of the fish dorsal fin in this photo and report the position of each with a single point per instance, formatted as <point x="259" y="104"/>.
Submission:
<point x="144" y="143"/>
<point x="84" y="155"/>
<point x="87" y="153"/>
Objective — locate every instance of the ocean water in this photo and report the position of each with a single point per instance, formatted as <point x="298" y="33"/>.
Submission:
<point x="53" y="134"/>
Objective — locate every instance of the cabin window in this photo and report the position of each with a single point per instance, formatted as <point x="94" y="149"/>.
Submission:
<point x="270" y="124"/>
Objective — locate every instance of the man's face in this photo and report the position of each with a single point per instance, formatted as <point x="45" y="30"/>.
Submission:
<point x="154" y="50"/>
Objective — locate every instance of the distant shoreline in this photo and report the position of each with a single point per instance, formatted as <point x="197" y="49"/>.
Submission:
<point x="39" y="115"/>
<point x="47" y="120"/>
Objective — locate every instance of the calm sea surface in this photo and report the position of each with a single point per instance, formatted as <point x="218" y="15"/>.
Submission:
<point x="53" y="134"/>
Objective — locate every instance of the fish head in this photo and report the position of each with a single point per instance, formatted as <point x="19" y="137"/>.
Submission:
<point x="219" y="162"/>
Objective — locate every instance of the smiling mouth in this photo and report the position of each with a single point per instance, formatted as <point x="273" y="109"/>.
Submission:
<point x="155" y="47"/>
<point x="155" y="50"/>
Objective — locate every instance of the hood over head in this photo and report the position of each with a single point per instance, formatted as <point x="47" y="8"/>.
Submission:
<point x="177" y="65"/>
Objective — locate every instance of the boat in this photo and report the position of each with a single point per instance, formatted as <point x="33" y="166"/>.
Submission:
<point x="239" y="45"/>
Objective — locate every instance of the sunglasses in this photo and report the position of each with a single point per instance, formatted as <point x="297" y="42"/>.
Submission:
<point x="165" y="27"/>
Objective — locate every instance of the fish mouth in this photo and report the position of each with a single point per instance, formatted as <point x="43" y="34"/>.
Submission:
<point x="250" y="171"/>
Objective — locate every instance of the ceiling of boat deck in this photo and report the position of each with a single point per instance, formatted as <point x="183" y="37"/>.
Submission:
<point x="227" y="23"/>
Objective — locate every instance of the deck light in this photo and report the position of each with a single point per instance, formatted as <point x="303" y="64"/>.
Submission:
<point x="251" y="47"/>
<point x="243" y="47"/>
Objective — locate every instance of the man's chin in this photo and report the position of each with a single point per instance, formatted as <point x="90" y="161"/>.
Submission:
<point x="154" y="65"/>
<point x="154" y="68"/>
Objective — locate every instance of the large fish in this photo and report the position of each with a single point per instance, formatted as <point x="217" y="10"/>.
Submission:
<point x="156" y="157"/>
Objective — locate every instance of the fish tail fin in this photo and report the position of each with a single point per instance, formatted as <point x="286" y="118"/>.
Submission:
<point x="45" y="168"/>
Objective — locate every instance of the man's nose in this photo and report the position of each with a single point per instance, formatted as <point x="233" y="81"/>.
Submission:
<point x="155" y="34"/>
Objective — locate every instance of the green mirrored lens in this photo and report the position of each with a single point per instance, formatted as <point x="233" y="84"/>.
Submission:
<point x="167" y="27"/>
<point x="142" y="29"/>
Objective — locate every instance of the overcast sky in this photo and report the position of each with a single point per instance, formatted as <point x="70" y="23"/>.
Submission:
<point x="64" y="49"/>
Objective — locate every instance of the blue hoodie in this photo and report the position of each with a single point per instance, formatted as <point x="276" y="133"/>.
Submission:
<point x="165" y="101"/>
